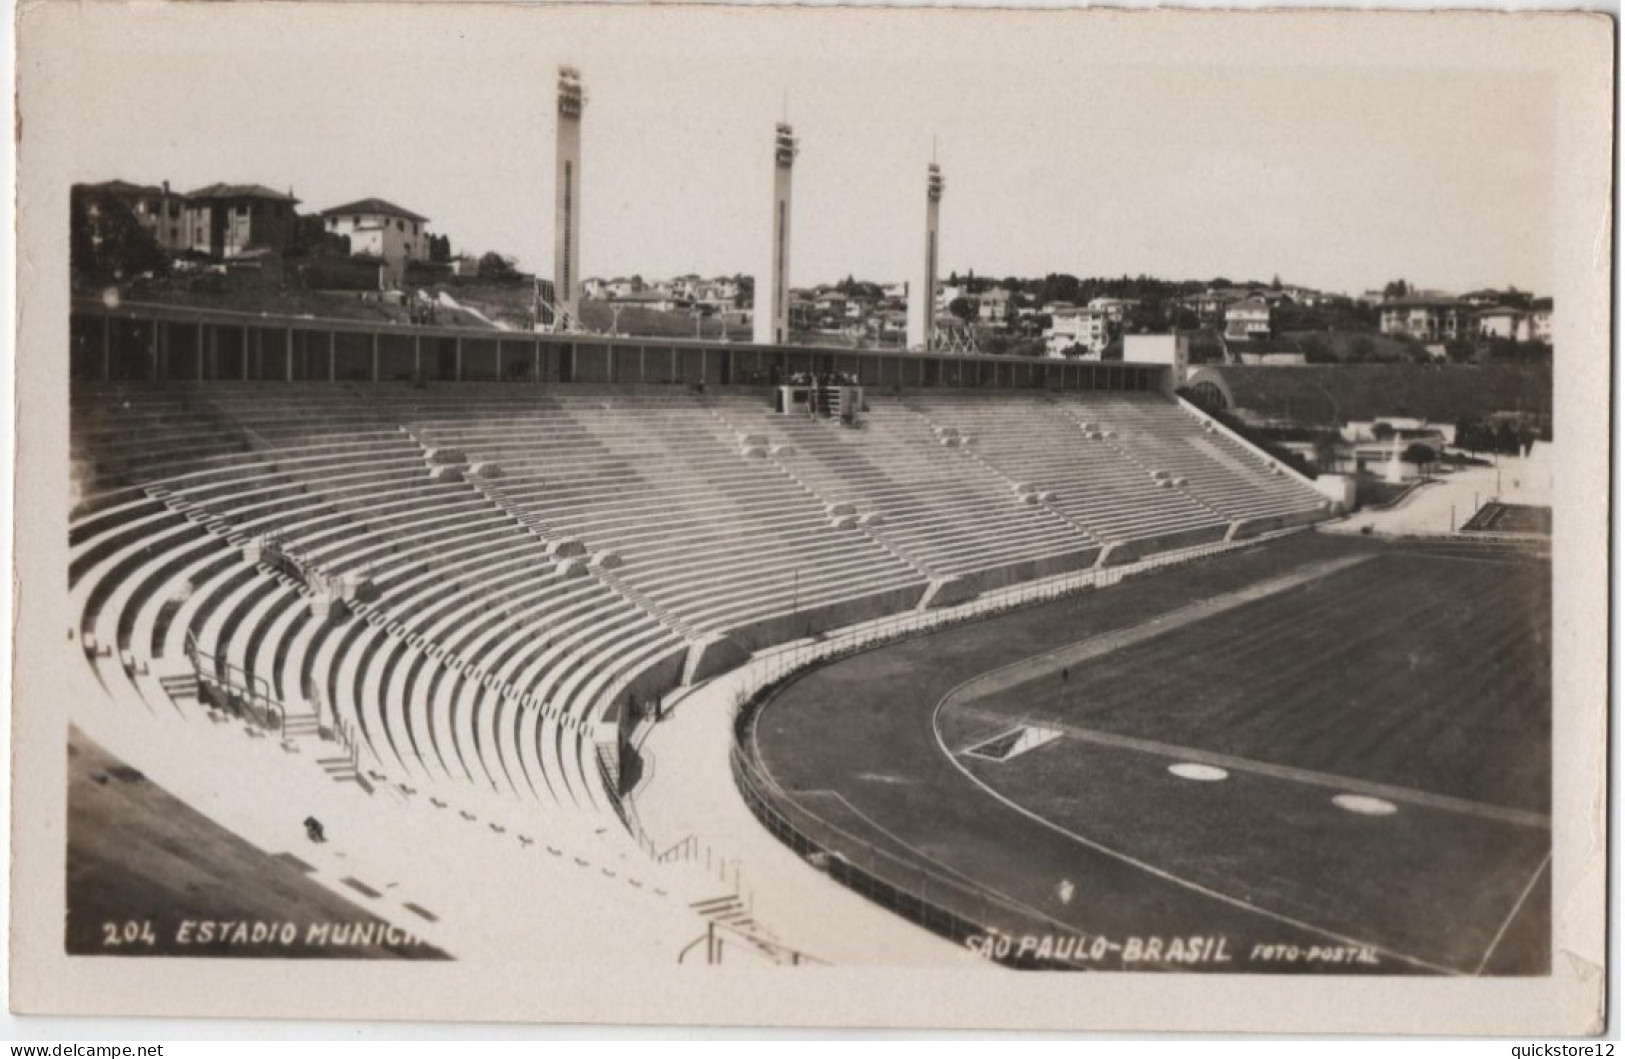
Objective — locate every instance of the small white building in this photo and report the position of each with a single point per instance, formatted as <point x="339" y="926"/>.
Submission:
<point x="1114" y="308"/>
<point x="1087" y="329"/>
<point x="381" y="229"/>
<point x="1247" y="319"/>
<point x="996" y="306"/>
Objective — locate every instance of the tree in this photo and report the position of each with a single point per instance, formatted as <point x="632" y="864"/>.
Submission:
<point x="1395" y="289"/>
<point x="439" y="248"/>
<point x="1421" y="455"/>
<point x="497" y="266"/>
<point x="1317" y="349"/>
<point x="963" y="308"/>
<point x="1058" y="287"/>
<point x="106" y="242"/>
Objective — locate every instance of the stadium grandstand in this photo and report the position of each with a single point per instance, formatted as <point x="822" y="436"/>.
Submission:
<point x="506" y="590"/>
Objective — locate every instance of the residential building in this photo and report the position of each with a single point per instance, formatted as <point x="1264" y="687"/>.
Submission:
<point x="224" y="220"/>
<point x="381" y="229"/>
<point x="1428" y="317"/>
<point x="995" y="306"/>
<point x="1113" y="307"/>
<point x="161" y="212"/>
<point x="1087" y="329"/>
<point x="1247" y="319"/>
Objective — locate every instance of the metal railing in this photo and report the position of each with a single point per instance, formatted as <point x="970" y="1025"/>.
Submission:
<point x="241" y="690"/>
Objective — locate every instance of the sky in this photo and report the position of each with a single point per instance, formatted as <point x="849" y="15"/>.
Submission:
<point x="1182" y="148"/>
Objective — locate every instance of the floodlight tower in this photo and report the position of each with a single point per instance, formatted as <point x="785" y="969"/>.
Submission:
<point x="771" y="324"/>
<point x="922" y="297"/>
<point x="567" y="196"/>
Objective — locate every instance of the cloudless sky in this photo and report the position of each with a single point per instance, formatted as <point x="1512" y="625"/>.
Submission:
<point x="1184" y="149"/>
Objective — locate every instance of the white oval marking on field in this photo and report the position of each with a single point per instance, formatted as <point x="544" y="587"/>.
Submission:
<point x="1364" y="804"/>
<point x="1188" y="770"/>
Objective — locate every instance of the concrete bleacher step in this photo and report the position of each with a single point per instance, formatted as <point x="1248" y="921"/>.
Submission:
<point x="301" y="725"/>
<point x="180" y="686"/>
<point x="342" y="770"/>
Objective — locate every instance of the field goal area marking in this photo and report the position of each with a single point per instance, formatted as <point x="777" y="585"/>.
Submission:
<point x="1012" y="743"/>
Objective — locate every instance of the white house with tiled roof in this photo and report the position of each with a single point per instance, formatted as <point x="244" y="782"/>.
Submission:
<point x="381" y="229"/>
<point x="1247" y="319"/>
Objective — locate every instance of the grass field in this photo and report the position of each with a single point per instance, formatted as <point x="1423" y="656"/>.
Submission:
<point x="149" y="876"/>
<point x="1415" y="682"/>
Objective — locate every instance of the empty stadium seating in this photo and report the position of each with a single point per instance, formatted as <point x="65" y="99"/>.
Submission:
<point x="505" y="566"/>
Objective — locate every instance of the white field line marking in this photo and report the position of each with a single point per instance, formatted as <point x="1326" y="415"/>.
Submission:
<point x="1499" y="934"/>
<point x="1018" y="673"/>
<point x="1160" y="873"/>
<point x="1426" y="799"/>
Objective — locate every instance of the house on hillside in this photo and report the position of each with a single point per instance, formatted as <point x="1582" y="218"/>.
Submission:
<point x="381" y="229"/>
<point x="161" y="212"/>
<point x="1086" y="329"/>
<point x="1247" y="319"/>
<point x="1113" y="307"/>
<point x="997" y="306"/>
<point x="224" y="220"/>
<point x="1428" y="318"/>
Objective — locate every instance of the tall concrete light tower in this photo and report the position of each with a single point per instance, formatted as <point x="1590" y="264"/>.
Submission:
<point x="772" y="313"/>
<point x="922" y="295"/>
<point x="567" y="196"/>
